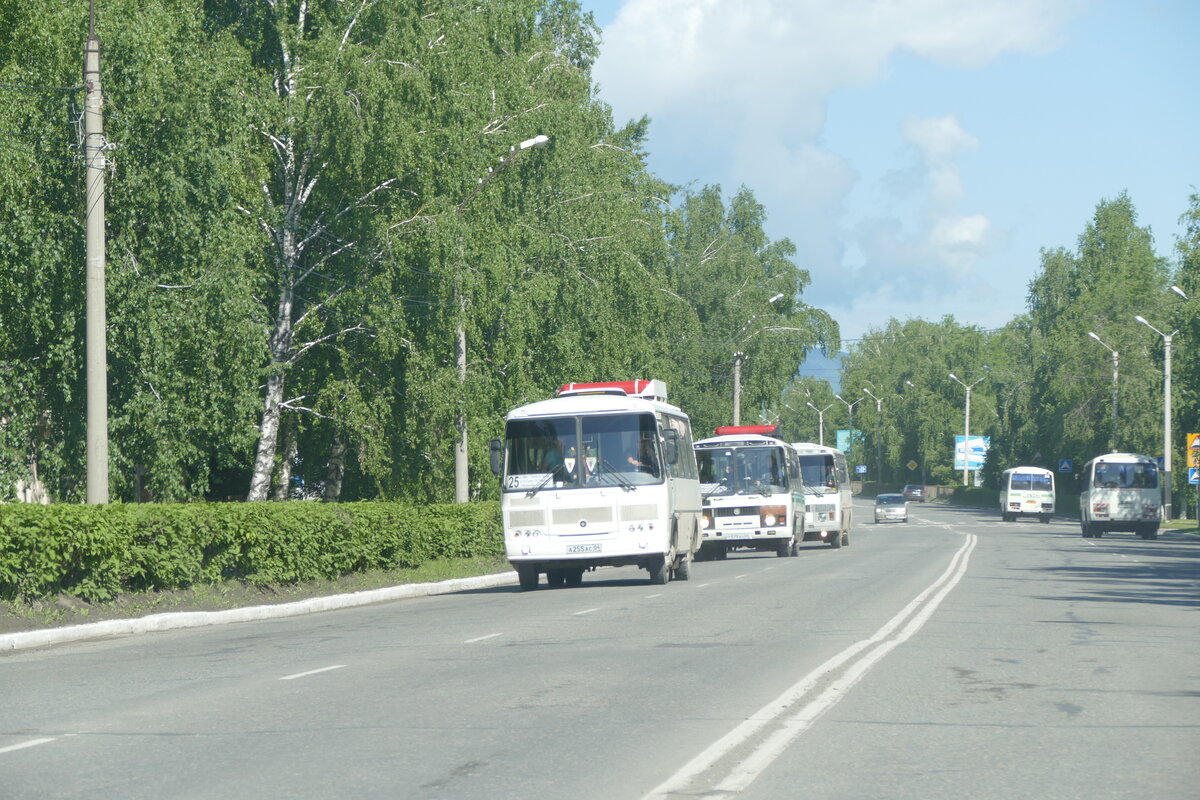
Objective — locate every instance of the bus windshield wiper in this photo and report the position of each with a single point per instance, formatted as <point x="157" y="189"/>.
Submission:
<point x="540" y="486"/>
<point x="610" y="470"/>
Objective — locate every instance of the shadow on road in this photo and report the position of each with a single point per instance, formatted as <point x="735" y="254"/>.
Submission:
<point x="1161" y="573"/>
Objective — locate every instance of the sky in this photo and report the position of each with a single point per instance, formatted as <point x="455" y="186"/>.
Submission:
<point x="920" y="154"/>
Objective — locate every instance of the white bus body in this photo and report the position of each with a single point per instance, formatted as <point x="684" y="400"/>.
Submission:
<point x="1120" y="492"/>
<point x="1027" y="491"/>
<point x="828" y="512"/>
<point x="601" y="475"/>
<point x="750" y="482"/>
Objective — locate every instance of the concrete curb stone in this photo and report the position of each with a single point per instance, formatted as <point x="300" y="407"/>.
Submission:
<point x="198" y="619"/>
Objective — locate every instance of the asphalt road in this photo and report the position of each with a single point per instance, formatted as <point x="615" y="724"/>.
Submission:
<point x="955" y="656"/>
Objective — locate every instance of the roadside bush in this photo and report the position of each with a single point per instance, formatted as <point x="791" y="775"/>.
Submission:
<point x="96" y="552"/>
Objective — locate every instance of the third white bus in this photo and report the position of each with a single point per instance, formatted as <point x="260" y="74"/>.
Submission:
<point x="828" y="513"/>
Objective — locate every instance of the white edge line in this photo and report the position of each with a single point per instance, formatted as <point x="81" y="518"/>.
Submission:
<point x="310" y="672"/>
<point x="795" y="693"/>
<point x="481" y="638"/>
<point x="23" y="745"/>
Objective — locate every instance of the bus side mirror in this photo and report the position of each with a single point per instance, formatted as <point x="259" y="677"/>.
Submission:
<point x="671" y="446"/>
<point x="497" y="454"/>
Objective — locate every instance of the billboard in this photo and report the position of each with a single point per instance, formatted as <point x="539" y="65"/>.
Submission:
<point x="846" y="439"/>
<point x="976" y="452"/>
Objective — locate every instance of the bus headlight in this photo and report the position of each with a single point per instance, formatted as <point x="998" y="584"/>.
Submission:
<point x="708" y="521"/>
<point x="770" y="516"/>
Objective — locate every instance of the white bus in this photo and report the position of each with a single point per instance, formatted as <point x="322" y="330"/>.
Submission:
<point x="828" y="512"/>
<point x="1120" y="492"/>
<point x="750" y="482"/>
<point x="601" y="474"/>
<point x="1027" y="490"/>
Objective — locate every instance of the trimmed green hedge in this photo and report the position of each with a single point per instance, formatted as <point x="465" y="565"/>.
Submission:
<point x="96" y="552"/>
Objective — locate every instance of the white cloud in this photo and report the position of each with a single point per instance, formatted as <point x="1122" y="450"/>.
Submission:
<point x="741" y="87"/>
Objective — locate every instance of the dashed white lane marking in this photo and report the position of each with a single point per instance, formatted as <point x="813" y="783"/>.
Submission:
<point x="701" y="586"/>
<point x="793" y="712"/>
<point x="481" y="638"/>
<point x="310" y="672"/>
<point x="585" y="611"/>
<point x="744" y="574"/>
<point x="30" y="743"/>
<point x="652" y="596"/>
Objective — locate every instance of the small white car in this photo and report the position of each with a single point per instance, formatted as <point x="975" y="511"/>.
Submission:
<point x="891" y="508"/>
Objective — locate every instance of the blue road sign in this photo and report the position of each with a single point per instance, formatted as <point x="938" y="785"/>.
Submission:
<point x="1066" y="465"/>
<point x="1194" y="475"/>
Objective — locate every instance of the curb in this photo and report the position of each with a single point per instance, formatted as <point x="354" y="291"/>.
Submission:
<point x="199" y="619"/>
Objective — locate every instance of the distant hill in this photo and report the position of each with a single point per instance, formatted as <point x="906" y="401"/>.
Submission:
<point x="829" y="368"/>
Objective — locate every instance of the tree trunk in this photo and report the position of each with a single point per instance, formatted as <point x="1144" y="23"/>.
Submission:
<point x="283" y="478"/>
<point x="268" y="438"/>
<point x="336" y="469"/>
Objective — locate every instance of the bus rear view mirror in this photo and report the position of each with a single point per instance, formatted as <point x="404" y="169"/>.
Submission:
<point x="497" y="454"/>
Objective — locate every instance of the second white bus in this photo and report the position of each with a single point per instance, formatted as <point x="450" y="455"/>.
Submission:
<point x="750" y="482"/>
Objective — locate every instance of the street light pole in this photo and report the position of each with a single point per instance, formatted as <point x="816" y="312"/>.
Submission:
<point x="738" y="357"/>
<point x="462" y="492"/>
<point x="820" y="421"/>
<point x="878" y="434"/>
<point x="1116" y="362"/>
<point x="966" y="427"/>
<point x="1167" y="338"/>
<point x="850" y="412"/>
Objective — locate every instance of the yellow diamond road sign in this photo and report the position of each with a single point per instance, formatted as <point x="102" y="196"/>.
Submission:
<point x="1193" y="448"/>
<point x="911" y="464"/>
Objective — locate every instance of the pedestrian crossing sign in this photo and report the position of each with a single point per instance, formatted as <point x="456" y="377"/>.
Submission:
<point x="1194" y="475"/>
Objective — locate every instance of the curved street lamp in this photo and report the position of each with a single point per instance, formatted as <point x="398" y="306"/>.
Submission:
<point x="1166" y="477"/>
<point x="966" y="426"/>
<point x="850" y="412"/>
<point x="739" y="356"/>
<point x="1116" y="363"/>
<point x="462" y="493"/>
<point x="820" y="421"/>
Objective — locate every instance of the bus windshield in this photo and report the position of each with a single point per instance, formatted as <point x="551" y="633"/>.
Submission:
<point x="1126" y="476"/>
<point x="818" y="473"/>
<point x="742" y="470"/>
<point x="1030" y="482"/>
<point x="571" y="452"/>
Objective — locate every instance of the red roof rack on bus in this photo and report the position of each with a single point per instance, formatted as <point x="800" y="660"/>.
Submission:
<point x="647" y="390"/>
<point x="733" y="430"/>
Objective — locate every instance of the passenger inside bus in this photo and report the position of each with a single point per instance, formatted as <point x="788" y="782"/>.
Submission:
<point x="643" y="459"/>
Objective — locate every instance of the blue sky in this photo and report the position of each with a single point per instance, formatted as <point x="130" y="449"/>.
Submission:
<point x="919" y="153"/>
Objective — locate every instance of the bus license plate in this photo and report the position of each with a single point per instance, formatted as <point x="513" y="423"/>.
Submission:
<point x="583" y="548"/>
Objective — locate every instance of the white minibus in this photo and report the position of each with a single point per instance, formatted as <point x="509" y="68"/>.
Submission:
<point x="1027" y="490"/>
<point x="1120" y="492"/>
<point x="828" y="512"/>
<point x="750" y="483"/>
<point x="602" y="474"/>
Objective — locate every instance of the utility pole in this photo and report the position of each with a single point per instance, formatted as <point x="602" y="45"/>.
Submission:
<point x="737" y="387"/>
<point x="97" y="347"/>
